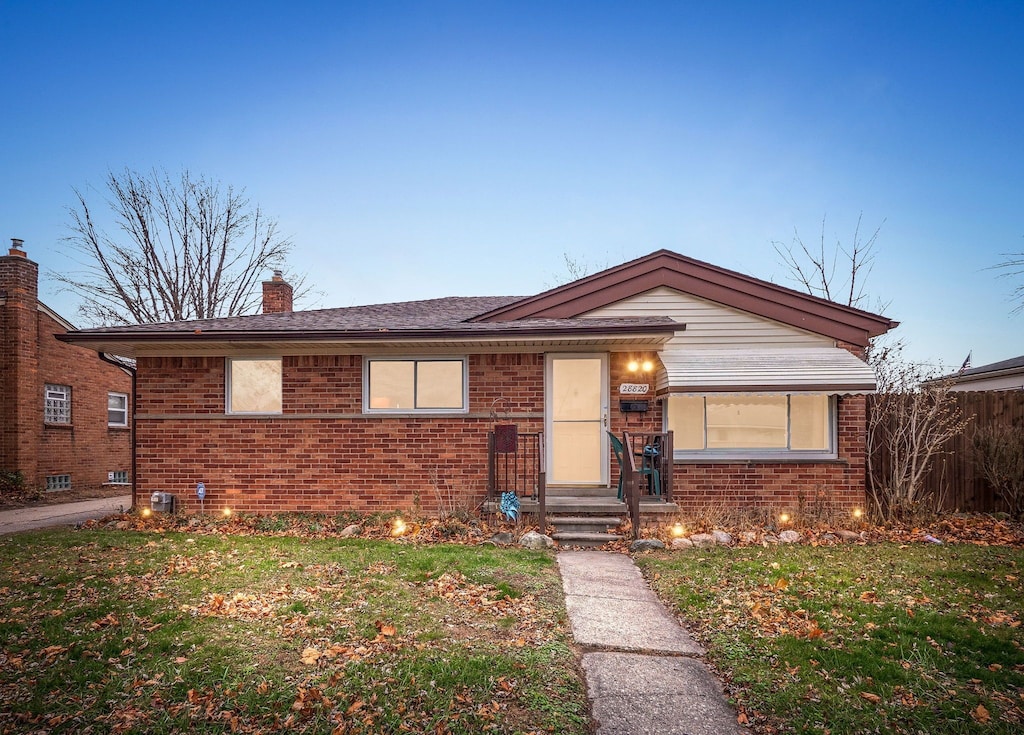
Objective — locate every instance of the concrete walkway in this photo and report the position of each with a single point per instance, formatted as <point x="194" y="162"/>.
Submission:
<point x="642" y="669"/>
<point x="63" y="514"/>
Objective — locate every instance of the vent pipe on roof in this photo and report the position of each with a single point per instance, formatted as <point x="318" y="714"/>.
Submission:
<point x="17" y="247"/>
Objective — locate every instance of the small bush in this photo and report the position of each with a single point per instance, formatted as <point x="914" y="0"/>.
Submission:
<point x="999" y="452"/>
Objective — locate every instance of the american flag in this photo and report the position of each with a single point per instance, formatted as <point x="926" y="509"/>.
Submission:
<point x="967" y="363"/>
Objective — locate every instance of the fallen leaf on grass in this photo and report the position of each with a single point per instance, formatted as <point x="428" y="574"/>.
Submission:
<point x="981" y="714"/>
<point x="873" y="698"/>
<point x="310" y="656"/>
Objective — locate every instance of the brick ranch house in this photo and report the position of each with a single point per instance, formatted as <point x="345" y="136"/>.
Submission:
<point x="66" y="412"/>
<point x="389" y="406"/>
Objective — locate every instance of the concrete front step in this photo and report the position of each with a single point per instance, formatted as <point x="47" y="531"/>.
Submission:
<point x="577" y="491"/>
<point x="588" y="540"/>
<point x="584" y="524"/>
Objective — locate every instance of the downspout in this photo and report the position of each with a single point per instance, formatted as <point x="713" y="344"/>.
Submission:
<point x="131" y="407"/>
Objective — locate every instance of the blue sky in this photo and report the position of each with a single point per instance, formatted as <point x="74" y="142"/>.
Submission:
<point x="414" y="150"/>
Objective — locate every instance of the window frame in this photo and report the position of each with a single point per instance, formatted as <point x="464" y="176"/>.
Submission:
<point x="63" y="417"/>
<point x="126" y="410"/>
<point x="779" y="454"/>
<point x="228" y="387"/>
<point x="416" y="360"/>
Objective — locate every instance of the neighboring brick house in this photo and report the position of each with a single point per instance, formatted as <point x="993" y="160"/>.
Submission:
<point x="372" y="407"/>
<point x="66" y="412"/>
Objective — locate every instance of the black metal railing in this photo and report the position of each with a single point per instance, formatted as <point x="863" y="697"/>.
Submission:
<point x="516" y="463"/>
<point x="646" y="471"/>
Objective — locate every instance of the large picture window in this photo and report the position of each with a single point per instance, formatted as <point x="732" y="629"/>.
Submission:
<point x="751" y="425"/>
<point x="254" y="385"/>
<point x="407" y="385"/>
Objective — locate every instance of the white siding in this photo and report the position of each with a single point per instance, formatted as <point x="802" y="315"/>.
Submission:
<point x="709" y="324"/>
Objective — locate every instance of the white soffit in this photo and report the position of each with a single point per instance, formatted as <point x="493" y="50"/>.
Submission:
<point x="819" y="369"/>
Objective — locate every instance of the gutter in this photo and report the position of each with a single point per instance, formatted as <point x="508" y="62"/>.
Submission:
<point x="371" y="335"/>
<point x="132" y="372"/>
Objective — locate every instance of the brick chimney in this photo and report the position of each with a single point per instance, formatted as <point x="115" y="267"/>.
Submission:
<point x="21" y="389"/>
<point x="277" y="295"/>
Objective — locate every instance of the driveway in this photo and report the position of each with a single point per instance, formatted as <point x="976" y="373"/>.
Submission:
<point x="64" y="514"/>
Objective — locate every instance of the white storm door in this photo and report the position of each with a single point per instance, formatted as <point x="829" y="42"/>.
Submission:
<point x="576" y="419"/>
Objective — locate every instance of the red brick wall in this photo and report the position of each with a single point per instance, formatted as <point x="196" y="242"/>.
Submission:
<point x="87" y="448"/>
<point x="322" y="454"/>
<point x="783" y="485"/>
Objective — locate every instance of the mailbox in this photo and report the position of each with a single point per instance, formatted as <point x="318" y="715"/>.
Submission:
<point x="633" y="406"/>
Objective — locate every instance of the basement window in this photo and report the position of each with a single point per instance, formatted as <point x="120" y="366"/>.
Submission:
<point x="118" y="477"/>
<point x="254" y="385"/>
<point x="58" y="482"/>
<point x="415" y="386"/>
<point x="57" y="404"/>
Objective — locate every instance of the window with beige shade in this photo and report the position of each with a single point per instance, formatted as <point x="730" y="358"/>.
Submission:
<point x="414" y="385"/>
<point x="752" y="426"/>
<point x="254" y="385"/>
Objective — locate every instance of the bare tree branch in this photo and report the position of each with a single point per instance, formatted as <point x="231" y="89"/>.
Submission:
<point x="1012" y="267"/>
<point x="185" y="249"/>
<point x="814" y="271"/>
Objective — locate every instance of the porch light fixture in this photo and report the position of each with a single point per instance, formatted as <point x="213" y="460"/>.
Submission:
<point x="678" y="530"/>
<point x="635" y="366"/>
<point x="784" y="518"/>
<point x="398" y="527"/>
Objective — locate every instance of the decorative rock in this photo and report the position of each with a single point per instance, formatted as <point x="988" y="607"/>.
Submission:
<point x="500" y="539"/>
<point x="789" y="537"/>
<point x="534" y="540"/>
<point x="770" y="539"/>
<point x="829" y="538"/>
<point x="349" y="531"/>
<point x="748" y="537"/>
<point x="849" y="535"/>
<point x="122" y="525"/>
<point x="646" y="544"/>
<point x="703" y="540"/>
<point x="721" y="537"/>
<point x="682" y="543"/>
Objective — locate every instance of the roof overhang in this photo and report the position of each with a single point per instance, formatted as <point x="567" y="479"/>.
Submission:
<point x="144" y="344"/>
<point x="829" y="370"/>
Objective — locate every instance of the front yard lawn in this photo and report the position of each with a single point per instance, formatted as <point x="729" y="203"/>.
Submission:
<point x="854" y="639"/>
<point x="110" y="631"/>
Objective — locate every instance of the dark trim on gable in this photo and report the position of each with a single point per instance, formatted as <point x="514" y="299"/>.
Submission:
<point x="694" y="277"/>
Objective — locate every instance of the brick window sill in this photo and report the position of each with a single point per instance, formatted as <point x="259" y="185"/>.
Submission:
<point x="114" y="427"/>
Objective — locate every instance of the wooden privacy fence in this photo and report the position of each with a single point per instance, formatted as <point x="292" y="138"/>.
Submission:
<point x="954" y="477"/>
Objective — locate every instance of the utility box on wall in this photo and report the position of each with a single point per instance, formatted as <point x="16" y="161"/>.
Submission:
<point x="162" y="502"/>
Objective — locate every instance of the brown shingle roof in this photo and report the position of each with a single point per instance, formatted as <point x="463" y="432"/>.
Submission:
<point x="432" y="317"/>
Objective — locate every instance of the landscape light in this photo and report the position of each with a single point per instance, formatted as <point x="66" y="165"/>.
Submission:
<point x="784" y="518"/>
<point x="678" y="530"/>
<point x="398" y="527"/>
<point x="857" y="512"/>
<point x="146" y="512"/>
<point x="226" y="512"/>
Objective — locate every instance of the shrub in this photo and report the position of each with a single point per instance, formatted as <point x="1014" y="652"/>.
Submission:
<point x="999" y="452"/>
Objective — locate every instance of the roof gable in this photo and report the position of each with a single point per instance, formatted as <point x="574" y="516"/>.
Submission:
<point x="706" y="281"/>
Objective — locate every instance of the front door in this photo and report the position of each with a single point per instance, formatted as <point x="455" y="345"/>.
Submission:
<point x="576" y="419"/>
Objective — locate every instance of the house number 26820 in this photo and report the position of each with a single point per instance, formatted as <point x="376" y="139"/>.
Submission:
<point x="634" y="389"/>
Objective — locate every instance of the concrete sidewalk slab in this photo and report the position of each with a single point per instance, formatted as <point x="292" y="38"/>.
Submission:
<point x="642" y="678"/>
<point x="62" y="514"/>
<point x="627" y="625"/>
